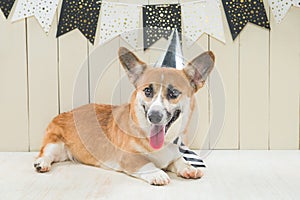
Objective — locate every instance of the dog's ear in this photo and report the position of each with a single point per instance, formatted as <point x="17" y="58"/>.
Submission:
<point x="132" y="65"/>
<point x="198" y="69"/>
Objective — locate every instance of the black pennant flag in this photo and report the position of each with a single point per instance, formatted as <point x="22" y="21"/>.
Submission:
<point x="239" y="13"/>
<point x="6" y="6"/>
<point x="81" y="14"/>
<point x="159" y="21"/>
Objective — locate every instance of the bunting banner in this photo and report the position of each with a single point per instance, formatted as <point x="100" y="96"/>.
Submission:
<point x="239" y="13"/>
<point x="42" y="10"/>
<point x="281" y="7"/>
<point x="79" y="14"/>
<point x="117" y="19"/>
<point x="202" y="17"/>
<point x="199" y="17"/>
<point x="6" y="6"/>
<point x="159" y="21"/>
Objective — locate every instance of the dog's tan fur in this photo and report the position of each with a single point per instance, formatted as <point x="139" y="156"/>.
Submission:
<point x="115" y="136"/>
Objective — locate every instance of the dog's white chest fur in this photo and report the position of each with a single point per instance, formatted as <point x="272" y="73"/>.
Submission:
<point x="164" y="157"/>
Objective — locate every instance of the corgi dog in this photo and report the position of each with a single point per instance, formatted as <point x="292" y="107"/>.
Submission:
<point x="134" y="138"/>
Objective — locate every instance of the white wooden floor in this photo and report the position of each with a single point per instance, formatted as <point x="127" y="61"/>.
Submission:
<point x="229" y="175"/>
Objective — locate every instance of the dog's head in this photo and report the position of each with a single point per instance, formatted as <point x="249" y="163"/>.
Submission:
<point x="164" y="94"/>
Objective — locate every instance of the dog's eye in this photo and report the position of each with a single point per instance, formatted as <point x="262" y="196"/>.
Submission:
<point x="173" y="93"/>
<point x="148" y="92"/>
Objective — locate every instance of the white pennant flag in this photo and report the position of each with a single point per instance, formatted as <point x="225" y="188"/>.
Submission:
<point x="202" y="17"/>
<point x="119" y="18"/>
<point x="281" y="7"/>
<point x="43" y="10"/>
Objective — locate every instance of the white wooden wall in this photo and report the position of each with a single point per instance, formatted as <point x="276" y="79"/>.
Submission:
<point x="260" y="71"/>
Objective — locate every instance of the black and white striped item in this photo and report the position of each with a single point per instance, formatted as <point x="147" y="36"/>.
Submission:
<point x="190" y="156"/>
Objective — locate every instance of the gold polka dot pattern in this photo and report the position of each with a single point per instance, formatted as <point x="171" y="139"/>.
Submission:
<point x="202" y="17"/>
<point x="281" y="7"/>
<point x="6" y="6"/>
<point x="81" y="14"/>
<point x="43" y="10"/>
<point x="240" y="12"/>
<point x="119" y="19"/>
<point x="159" y="21"/>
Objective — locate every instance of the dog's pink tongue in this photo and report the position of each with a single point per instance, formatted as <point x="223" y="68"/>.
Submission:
<point x="157" y="136"/>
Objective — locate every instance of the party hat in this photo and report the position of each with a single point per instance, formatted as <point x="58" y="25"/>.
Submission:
<point x="173" y="57"/>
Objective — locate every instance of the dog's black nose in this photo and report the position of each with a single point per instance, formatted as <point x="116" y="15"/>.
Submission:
<point x="155" y="117"/>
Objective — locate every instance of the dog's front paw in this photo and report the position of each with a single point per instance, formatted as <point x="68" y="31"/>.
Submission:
<point x="190" y="172"/>
<point x="156" y="178"/>
<point x="42" y="164"/>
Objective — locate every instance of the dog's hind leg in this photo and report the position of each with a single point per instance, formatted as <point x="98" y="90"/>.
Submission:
<point x="53" y="150"/>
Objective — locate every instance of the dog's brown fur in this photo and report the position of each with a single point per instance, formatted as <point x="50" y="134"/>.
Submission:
<point x="99" y="134"/>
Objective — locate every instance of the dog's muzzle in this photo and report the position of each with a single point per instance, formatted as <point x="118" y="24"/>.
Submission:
<point x="156" y="117"/>
<point x="158" y="130"/>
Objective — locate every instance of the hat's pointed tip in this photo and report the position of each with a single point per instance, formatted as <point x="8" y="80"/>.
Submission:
<point x="172" y="57"/>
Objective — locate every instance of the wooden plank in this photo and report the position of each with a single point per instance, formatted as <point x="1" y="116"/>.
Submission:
<point x="72" y="65"/>
<point x="104" y="70"/>
<point x="254" y="87"/>
<point x="43" y="80"/>
<point x="73" y="69"/>
<point x="284" y="82"/>
<point x="104" y="73"/>
<point x="197" y="136"/>
<point x="227" y="62"/>
<point x="13" y="86"/>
